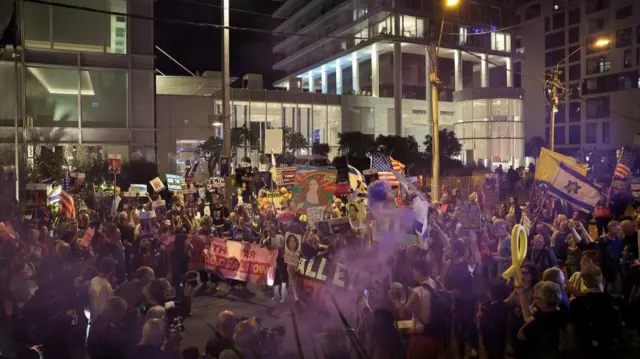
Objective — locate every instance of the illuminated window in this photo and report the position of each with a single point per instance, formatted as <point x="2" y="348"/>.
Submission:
<point x="412" y="26"/>
<point x="362" y="36"/>
<point x="386" y="26"/>
<point x="501" y="41"/>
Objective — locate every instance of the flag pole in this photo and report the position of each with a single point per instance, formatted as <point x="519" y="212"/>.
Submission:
<point x="614" y="176"/>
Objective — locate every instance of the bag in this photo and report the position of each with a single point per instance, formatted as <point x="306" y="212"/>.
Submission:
<point x="440" y="311"/>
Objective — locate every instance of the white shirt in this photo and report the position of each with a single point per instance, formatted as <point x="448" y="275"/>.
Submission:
<point x="424" y="299"/>
<point x="99" y="292"/>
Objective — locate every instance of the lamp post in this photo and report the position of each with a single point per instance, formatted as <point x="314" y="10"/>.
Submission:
<point x="557" y="85"/>
<point x="434" y="80"/>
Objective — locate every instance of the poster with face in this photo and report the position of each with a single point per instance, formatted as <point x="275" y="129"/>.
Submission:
<point x="293" y="245"/>
<point x="313" y="187"/>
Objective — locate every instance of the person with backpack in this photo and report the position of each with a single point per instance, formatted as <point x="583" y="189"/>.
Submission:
<point x="430" y="306"/>
<point x="597" y="317"/>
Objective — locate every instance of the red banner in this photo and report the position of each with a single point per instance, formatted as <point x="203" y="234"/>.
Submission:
<point x="241" y="261"/>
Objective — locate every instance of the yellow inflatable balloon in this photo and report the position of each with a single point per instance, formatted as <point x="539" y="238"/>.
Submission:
<point x="518" y="254"/>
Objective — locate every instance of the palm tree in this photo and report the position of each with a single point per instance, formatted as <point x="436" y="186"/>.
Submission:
<point x="240" y="136"/>
<point x="293" y="141"/>
<point x="211" y="150"/>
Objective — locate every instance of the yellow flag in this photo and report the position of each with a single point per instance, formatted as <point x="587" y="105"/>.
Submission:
<point x="549" y="161"/>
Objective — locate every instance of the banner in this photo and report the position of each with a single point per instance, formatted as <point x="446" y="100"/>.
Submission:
<point x="241" y="261"/>
<point x="313" y="187"/>
<point x="286" y="175"/>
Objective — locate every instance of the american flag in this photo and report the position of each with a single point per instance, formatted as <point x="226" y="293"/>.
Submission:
<point x="67" y="206"/>
<point x="385" y="166"/>
<point x="623" y="168"/>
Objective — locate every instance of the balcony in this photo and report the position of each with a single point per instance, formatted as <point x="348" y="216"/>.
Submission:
<point x="485" y="93"/>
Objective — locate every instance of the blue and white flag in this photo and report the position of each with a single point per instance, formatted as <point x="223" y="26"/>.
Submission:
<point x="355" y="177"/>
<point x="420" y="205"/>
<point x="574" y="188"/>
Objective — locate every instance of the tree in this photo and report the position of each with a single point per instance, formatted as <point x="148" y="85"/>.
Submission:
<point x="293" y="141"/>
<point x="449" y="145"/>
<point x="320" y="149"/>
<point x="49" y="165"/>
<point x="403" y="149"/>
<point x="356" y="144"/>
<point x="240" y="136"/>
<point x="533" y="145"/>
<point x="211" y="150"/>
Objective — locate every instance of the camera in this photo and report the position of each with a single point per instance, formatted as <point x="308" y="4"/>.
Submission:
<point x="177" y="325"/>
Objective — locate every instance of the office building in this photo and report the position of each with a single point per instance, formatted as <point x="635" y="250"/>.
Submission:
<point x="375" y="54"/>
<point x="600" y="110"/>
<point x="83" y="80"/>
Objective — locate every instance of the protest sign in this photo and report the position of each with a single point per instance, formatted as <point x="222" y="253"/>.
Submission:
<point x="157" y="184"/>
<point x="115" y="163"/>
<point x="138" y="188"/>
<point x="241" y="261"/>
<point x="86" y="239"/>
<point x="313" y="187"/>
<point x="286" y="175"/>
<point x="635" y="187"/>
<point x="314" y="214"/>
<point x="470" y="216"/>
<point x="293" y="245"/>
<point x="175" y="183"/>
<point x="160" y="207"/>
<point x="76" y="180"/>
<point x="37" y="195"/>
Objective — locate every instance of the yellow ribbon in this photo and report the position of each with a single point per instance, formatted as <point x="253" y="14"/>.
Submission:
<point x="518" y="253"/>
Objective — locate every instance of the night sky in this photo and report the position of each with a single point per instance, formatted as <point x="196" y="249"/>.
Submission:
<point x="200" y="48"/>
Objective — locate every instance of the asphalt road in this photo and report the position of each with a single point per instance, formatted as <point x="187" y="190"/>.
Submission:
<point x="257" y="302"/>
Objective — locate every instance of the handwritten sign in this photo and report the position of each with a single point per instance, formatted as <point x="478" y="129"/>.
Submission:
<point x="314" y="214"/>
<point x="470" y="216"/>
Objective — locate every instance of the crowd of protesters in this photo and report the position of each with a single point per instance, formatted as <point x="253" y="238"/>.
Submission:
<point x="124" y="295"/>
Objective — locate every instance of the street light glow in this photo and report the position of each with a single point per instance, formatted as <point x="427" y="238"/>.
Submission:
<point x="604" y="42"/>
<point x="451" y="3"/>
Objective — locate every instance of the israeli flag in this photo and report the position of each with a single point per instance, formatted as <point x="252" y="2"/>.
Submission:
<point x="420" y="205"/>
<point x="574" y="188"/>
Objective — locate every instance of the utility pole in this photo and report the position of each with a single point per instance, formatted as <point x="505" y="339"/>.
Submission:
<point x="555" y="82"/>
<point x="226" y="96"/>
<point x="435" y="169"/>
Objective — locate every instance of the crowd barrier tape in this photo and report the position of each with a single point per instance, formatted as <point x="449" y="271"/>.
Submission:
<point x="518" y="254"/>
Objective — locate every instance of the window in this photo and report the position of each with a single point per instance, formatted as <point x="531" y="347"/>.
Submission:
<point x="560" y="113"/>
<point x="52" y="96"/>
<point x="605" y="132"/>
<point x="77" y="29"/>
<point x="107" y="105"/>
<point x="596" y="5"/>
<point x="553" y="57"/>
<point x="574" y="135"/>
<point x="574" y="111"/>
<point x="501" y="41"/>
<point x="627" y="61"/>
<point x="624" y="12"/>
<point x="574" y="34"/>
<point x="592" y="133"/>
<point x="558" y="21"/>
<point x="574" y="72"/>
<point x="597" y="107"/>
<point x="575" y="54"/>
<point x="596" y="25"/>
<point x="362" y="36"/>
<point x="412" y="26"/>
<point x="574" y="16"/>
<point x="555" y="39"/>
<point x="598" y="65"/>
<point x="532" y="12"/>
<point x="386" y="26"/>
<point x="623" y="37"/>
<point x="560" y="137"/>
<point x="547" y="24"/>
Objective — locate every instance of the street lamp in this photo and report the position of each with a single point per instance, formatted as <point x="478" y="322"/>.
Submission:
<point x="434" y="80"/>
<point x="555" y="85"/>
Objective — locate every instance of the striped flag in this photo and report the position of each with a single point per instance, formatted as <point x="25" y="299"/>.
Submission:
<point x="67" y="206"/>
<point x="385" y="166"/>
<point x="623" y="168"/>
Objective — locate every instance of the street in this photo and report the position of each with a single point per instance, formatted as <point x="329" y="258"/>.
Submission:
<point x="256" y="302"/>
